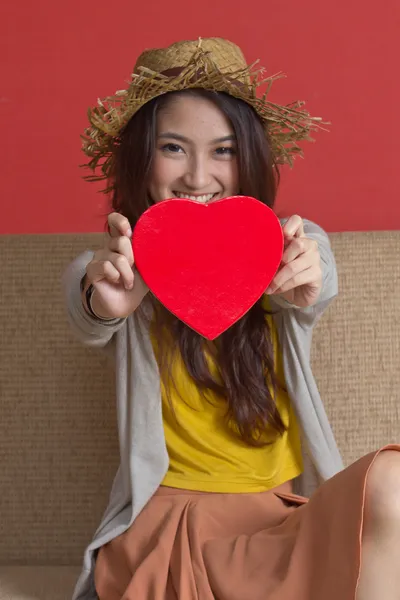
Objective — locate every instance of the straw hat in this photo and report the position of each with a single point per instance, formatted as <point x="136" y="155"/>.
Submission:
<point x="209" y="63"/>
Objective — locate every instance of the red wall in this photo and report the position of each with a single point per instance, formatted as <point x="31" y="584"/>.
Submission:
<point x="342" y="57"/>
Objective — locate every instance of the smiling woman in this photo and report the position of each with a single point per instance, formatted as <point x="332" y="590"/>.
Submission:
<point x="215" y="437"/>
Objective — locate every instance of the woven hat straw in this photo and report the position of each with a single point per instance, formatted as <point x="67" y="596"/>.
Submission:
<point x="225" y="54"/>
<point x="211" y="64"/>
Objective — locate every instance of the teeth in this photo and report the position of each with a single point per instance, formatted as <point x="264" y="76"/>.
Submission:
<point x="204" y="198"/>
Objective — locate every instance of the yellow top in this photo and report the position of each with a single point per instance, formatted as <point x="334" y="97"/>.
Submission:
<point x="204" y="452"/>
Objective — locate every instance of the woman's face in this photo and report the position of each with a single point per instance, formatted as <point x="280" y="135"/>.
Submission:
<point x="195" y="153"/>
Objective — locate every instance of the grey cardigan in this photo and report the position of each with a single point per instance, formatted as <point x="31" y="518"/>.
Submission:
<point x="144" y="457"/>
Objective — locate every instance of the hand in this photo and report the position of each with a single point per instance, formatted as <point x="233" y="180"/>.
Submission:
<point x="118" y="290"/>
<point x="299" y="278"/>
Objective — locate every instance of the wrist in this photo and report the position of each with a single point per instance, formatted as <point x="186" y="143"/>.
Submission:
<point x="91" y="302"/>
<point x="97" y="309"/>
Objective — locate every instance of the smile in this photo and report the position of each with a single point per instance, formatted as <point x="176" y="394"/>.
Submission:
<point x="203" y="198"/>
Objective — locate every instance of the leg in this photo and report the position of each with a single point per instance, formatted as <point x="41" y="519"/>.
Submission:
<point x="380" y="553"/>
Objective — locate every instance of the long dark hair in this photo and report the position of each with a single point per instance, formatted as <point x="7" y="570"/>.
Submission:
<point x="244" y="354"/>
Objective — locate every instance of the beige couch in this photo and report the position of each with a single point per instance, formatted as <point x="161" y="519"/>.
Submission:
<point x="58" y="446"/>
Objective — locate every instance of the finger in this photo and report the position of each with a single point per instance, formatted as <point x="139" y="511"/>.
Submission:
<point x="122" y="265"/>
<point x="294" y="227"/>
<point x="122" y="245"/>
<point x="305" y="277"/>
<point x="118" y="225"/>
<point x="290" y="270"/>
<point x="100" y="270"/>
<point x="120" y="271"/>
<point x="297" y="247"/>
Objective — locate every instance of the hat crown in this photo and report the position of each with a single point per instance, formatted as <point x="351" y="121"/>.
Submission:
<point x="225" y="55"/>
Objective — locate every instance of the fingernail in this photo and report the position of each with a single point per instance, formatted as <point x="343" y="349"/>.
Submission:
<point x="129" y="233"/>
<point x="269" y="290"/>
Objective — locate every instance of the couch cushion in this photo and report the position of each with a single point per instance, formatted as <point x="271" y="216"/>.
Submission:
<point x="356" y="346"/>
<point x="37" y="583"/>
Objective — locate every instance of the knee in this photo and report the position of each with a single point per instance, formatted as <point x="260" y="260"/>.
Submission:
<point x="382" y="500"/>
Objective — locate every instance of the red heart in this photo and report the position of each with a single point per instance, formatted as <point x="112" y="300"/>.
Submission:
<point x="208" y="264"/>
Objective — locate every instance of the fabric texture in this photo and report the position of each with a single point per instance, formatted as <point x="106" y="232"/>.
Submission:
<point x="271" y="545"/>
<point x="144" y="456"/>
<point x="206" y="452"/>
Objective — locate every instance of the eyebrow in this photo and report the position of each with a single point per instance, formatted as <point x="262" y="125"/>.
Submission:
<point x="182" y="138"/>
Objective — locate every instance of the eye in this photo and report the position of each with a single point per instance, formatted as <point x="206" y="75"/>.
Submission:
<point x="225" y="151"/>
<point x="171" y="148"/>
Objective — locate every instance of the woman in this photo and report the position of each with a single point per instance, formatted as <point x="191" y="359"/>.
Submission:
<point x="216" y="438"/>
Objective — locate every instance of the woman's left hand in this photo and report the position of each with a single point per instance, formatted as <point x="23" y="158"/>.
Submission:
<point x="299" y="278"/>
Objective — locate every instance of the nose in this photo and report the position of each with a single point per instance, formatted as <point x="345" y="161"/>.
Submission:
<point x="197" y="176"/>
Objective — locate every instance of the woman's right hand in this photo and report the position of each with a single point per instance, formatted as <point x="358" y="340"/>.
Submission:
<point x="118" y="289"/>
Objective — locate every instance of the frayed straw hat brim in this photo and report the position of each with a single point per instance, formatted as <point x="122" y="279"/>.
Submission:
<point x="211" y="64"/>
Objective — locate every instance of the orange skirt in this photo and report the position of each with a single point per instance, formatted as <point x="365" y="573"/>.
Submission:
<point x="272" y="545"/>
